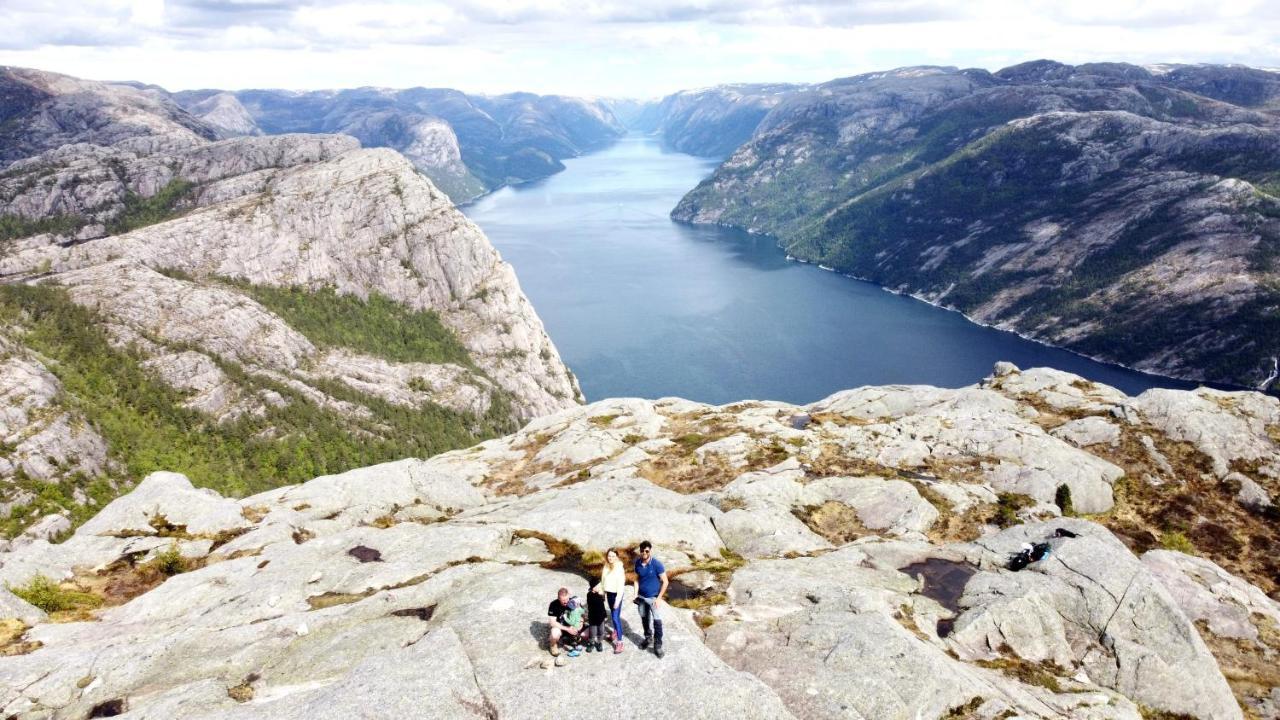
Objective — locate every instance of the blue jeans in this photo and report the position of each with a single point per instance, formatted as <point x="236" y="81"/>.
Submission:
<point x="648" y="611"/>
<point x="615" y="612"/>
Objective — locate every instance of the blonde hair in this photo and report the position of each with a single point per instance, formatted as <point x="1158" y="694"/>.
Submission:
<point x="617" y="556"/>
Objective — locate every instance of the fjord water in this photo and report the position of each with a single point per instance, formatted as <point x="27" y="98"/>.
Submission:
<point x="641" y="306"/>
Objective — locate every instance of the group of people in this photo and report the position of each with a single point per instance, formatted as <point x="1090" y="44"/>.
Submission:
<point x="577" y="626"/>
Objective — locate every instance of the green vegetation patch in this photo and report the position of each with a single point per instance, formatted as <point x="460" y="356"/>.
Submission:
<point x="13" y="227"/>
<point x="56" y="496"/>
<point x="377" y="326"/>
<point x="140" y="212"/>
<point x="1006" y="510"/>
<point x="1177" y="541"/>
<point x="170" y="562"/>
<point x="147" y="428"/>
<point x="52" y="597"/>
<point x="1062" y="498"/>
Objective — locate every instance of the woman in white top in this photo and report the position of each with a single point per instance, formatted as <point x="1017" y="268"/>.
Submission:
<point x="613" y="582"/>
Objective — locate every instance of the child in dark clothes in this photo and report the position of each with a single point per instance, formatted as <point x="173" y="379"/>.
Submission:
<point x="597" y="615"/>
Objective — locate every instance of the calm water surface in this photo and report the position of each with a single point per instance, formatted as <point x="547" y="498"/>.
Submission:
<point x="640" y="306"/>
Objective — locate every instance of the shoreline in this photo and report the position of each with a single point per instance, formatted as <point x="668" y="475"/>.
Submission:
<point x="1197" y="382"/>
<point x="1191" y="383"/>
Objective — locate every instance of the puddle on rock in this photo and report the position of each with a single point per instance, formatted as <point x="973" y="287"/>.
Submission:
<point x="677" y="590"/>
<point x="942" y="581"/>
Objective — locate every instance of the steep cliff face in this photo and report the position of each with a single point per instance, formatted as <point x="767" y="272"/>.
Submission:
<point x="278" y="295"/>
<point x="361" y="222"/>
<point x="846" y="559"/>
<point x="1102" y="208"/>
<point x="713" y="121"/>
<point x="466" y="144"/>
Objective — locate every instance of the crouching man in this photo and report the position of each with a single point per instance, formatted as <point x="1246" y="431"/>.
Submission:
<point x="559" y="614"/>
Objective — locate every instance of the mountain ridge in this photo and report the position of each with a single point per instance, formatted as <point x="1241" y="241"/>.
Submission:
<point x="1034" y="198"/>
<point x="468" y="144"/>
<point x="262" y="296"/>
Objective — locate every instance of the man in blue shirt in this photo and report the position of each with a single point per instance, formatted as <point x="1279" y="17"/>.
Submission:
<point x="651" y="589"/>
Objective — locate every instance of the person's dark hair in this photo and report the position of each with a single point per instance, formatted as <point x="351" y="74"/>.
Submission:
<point x="645" y="545"/>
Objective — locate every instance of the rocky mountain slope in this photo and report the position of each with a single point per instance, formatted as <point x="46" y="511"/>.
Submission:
<point x="1124" y="213"/>
<point x="224" y="112"/>
<point x="466" y="144"/>
<point x="845" y="559"/>
<point x="711" y="121"/>
<point x="42" y="111"/>
<point x="256" y="311"/>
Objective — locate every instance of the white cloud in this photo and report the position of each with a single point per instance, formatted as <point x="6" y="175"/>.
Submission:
<point x="606" y="47"/>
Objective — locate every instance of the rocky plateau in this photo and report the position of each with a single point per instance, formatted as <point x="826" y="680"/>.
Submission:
<point x="846" y="559"/>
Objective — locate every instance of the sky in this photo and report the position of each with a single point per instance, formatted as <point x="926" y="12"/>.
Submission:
<point x="641" y="48"/>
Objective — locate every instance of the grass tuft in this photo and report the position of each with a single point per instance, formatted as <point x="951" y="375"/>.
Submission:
<point x="54" y="598"/>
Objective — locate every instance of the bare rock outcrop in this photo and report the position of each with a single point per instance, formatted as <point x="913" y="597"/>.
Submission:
<point x="362" y="222"/>
<point x="44" y="439"/>
<point x="813" y="577"/>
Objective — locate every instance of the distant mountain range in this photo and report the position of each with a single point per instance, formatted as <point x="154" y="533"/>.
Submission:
<point x="710" y="122"/>
<point x="467" y="144"/>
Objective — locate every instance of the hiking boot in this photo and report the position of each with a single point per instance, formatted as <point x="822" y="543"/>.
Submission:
<point x="590" y="647"/>
<point x="657" y="649"/>
<point x="644" y="644"/>
<point x="599" y="647"/>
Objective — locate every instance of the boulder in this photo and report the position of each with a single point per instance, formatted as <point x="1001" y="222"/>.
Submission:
<point x="732" y="449"/>
<point x="1230" y="607"/>
<point x="59" y="561"/>
<point x="167" y="502"/>
<point x="767" y="532"/>
<point x="612" y="512"/>
<point x="1092" y="430"/>
<point x="892" y="506"/>
<point x="1251" y="494"/>
<point x="13" y="607"/>
<point x="46" y="528"/>
<point x="933" y="428"/>
<point x="1059" y="390"/>
<point x="1123" y="628"/>
<point x="367" y="493"/>
<point x="1225" y="426"/>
